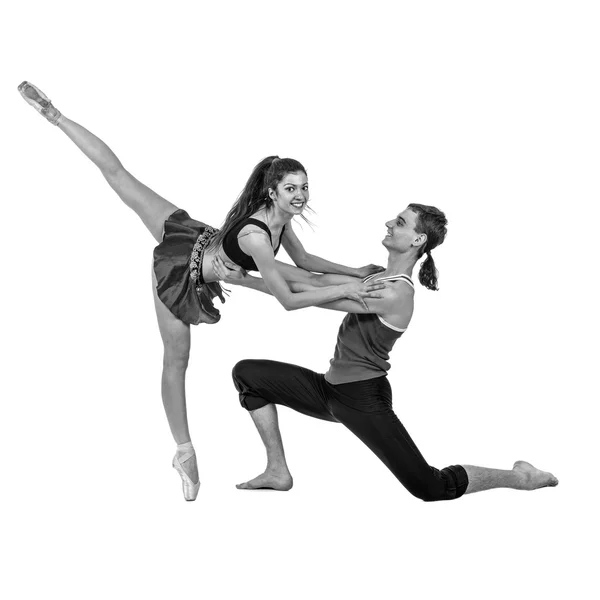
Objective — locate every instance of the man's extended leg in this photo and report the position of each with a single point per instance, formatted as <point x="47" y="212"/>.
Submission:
<point x="264" y="383"/>
<point x="366" y="409"/>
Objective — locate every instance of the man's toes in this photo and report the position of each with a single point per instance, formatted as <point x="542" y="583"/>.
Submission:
<point x="243" y="486"/>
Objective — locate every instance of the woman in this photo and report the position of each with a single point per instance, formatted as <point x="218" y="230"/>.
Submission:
<point x="184" y="278"/>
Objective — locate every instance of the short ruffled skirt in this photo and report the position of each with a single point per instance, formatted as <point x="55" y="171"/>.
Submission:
<point x="178" y="270"/>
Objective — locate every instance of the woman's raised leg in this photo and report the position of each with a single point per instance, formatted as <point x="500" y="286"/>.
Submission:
<point x="176" y="339"/>
<point x="152" y="209"/>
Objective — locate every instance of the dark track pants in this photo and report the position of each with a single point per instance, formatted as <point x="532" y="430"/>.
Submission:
<point x="364" y="407"/>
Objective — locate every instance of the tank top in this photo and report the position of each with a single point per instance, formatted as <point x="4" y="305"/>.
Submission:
<point x="232" y="248"/>
<point x="364" y="344"/>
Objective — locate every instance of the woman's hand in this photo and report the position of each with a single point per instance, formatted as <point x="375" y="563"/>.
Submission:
<point x="228" y="272"/>
<point x="359" y="291"/>
<point x="363" y="272"/>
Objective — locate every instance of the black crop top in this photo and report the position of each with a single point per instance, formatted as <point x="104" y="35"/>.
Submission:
<point x="232" y="248"/>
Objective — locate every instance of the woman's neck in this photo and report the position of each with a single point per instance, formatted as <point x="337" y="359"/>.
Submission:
<point x="273" y="218"/>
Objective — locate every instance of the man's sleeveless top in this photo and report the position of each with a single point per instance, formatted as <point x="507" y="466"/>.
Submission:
<point x="232" y="248"/>
<point x="364" y="343"/>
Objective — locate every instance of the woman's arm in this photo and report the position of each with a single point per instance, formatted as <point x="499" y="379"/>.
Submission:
<point x="297" y="274"/>
<point x="310" y="262"/>
<point x="234" y="274"/>
<point x="392" y="301"/>
<point x="259" y="247"/>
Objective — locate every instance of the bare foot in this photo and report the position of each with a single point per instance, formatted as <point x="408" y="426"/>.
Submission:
<point x="533" y="478"/>
<point x="270" y="480"/>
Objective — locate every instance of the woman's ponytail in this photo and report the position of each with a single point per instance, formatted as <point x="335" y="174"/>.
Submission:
<point x="251" y="199"/>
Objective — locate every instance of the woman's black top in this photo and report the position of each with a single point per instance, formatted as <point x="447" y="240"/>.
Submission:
<point x="232" y="248"/>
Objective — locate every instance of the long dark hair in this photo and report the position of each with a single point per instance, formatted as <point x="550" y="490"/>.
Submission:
<point x="432" y="222"/>
<point x="266" y="174"/>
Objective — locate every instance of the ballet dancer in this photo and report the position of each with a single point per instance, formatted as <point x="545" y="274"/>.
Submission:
<point x="184" y="281"/>
<point x="355" y="390"/>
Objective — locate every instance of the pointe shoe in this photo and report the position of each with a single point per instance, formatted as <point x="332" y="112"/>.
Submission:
<point x="190" y="489"/>
<point x="36" y="98"/>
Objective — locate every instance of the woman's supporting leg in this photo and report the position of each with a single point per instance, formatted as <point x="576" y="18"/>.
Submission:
<point x="176" y="339"/>
<point x="152" y="209"/>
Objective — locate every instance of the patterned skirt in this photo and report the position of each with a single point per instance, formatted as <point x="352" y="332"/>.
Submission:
<point x="178" y="270"/>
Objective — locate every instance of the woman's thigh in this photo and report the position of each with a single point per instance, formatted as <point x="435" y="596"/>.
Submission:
<point x="175" y="334"/>
<point x="152" y="208"/>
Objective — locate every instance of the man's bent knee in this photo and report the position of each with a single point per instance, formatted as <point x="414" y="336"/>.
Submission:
<point x="244" y="373"/>
<point x="243" y="370"/>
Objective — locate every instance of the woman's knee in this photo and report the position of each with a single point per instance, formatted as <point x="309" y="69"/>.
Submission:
<point x="116" y="175"/>
<point x="176" y="358"/>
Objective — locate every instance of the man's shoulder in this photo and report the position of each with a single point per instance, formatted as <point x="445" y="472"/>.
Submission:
<point x="399" y="303"/>
<point x="400" y="289"/>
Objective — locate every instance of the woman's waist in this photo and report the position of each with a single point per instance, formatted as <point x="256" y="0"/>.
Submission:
<point x="208" y="273"/>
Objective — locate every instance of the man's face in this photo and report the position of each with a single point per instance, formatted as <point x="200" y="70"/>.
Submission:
<point x="401" y="235"/>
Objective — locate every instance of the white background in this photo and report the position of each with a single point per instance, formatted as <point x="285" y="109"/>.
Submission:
<point x="487" y="110"/>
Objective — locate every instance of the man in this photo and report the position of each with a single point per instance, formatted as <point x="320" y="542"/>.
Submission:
<point x="355" y="390"/>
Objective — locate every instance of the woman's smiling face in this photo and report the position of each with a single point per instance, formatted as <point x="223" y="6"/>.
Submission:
<point x="292" y="193"/>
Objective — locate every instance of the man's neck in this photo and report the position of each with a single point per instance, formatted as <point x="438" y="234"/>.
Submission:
<point x="399" y="264"/>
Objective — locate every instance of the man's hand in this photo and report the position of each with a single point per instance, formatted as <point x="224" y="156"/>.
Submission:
<point x="228" y="272"/>
<point x="363" y="272"/>
<point x="359" y="291"/>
